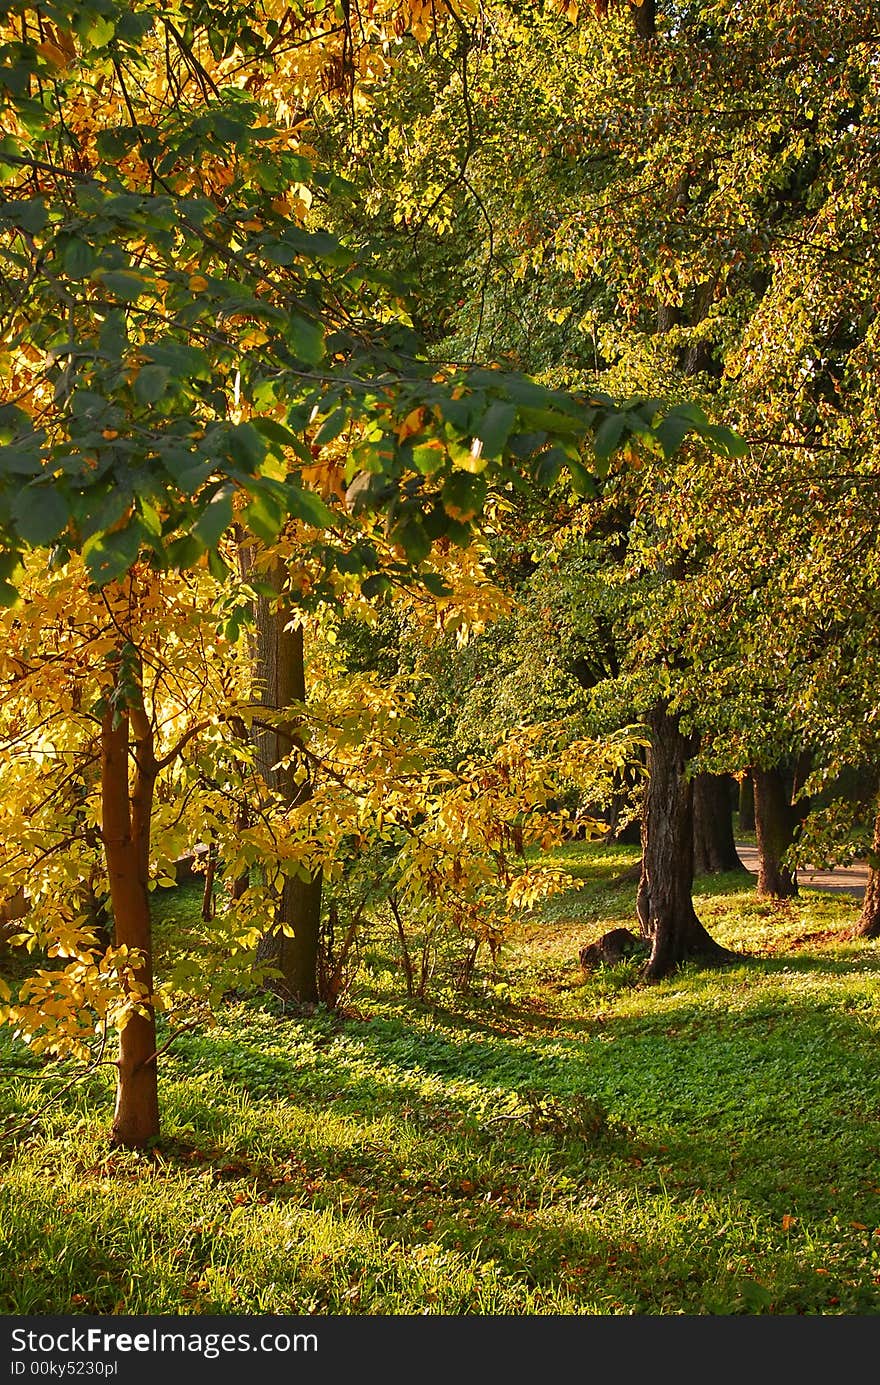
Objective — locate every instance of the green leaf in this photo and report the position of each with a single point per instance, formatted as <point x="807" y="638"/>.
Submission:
<point x="276" y="432"/>
<point x="79" y="259"/>
<point x="331" y="427"/>
<point x="98" y="513"/>
<point x="435" y="584"/>
<point x="109" y="556"/>
<point x="377" y="584"/>
<point x="246" y="447"/>
<point x="350" y="564"/>
<point x="429" y="458"/>
<point x="184" y="552"/>
<point x="727" y="441"/>
<point x="215" y="518"/>
<point x="126" y="286"/>
<point x="495" y="428"/>
<point x="308" y="507"/>
<point x="216" y="566"/>
<point x="115" y="142"/>
<point x="183" y="362"/>
<point x="582" y="482"/>
<point x="463" y="495"/>
<point x="608" y="435"/>
<point x="671" y="432"/>
<point x="306" y="340"/>
<point x="411" y="536"/>
<point x="22" y="458"/>
<point x="150" y="383"/>
<point x="95" y="30"/>
<point x="549" y="465"/>
<point x="186" y="469"/>
<point x="13" y="421"/>
<point x="41" y="513"/>
<point x="30" y="216"/>
<point x="263" y="517"/>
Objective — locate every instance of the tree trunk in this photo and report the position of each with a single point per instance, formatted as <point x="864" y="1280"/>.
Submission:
<point x="714" y="847"/>
<point x="125" y="828"/>
<point x="664" y="906"/>
<point x="775" y="824"/>
<point x="645" y="19"/>
<point x="746" y="815"/>
<point x="868" y="924"/>
<point x="280" y="673"/>
<point x="663" y="903"/>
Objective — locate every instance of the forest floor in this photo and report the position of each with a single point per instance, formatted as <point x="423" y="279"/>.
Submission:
<point x="549" y="1143"/>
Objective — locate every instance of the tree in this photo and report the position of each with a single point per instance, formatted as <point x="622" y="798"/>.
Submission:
<point x="714" y="847"/>
<point x="716" y="164"/>
<point x="183" y="350"/>
<point x="292" y="944"/>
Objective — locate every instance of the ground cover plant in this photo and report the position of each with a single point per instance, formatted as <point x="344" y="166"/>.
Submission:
<point x="550" y="1143"/>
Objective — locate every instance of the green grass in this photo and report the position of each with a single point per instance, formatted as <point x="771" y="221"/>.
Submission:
<point x="554" y="1144"/>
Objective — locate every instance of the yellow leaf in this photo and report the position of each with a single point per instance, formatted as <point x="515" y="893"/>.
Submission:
<point x="53" y="54"/>
<point x="197" y="283"/>
<point x="411" y="424"/>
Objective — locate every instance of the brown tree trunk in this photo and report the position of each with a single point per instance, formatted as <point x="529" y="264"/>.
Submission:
<point x="208" y="890"/>
<point x="714" y="847"/>
<point x="126" y="814"/>
<point x="280" y="674"/>
<point x="746" y="815"/>
<point x="645" y="18"/>
<point x="868" y="924"/>
<point x="664" y="905"/>
<point x="775" y="823"/>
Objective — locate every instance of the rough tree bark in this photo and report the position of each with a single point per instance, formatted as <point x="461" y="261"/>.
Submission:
<point x="126" y="807"/>
<point x="714" y="847"/>
<point x="776" y="821"/>
<point x="665" y="909"/>
<point x="279" y="669"/>
<point x="868" y="924"/>
<point x="645" y="18"/>
<point x="746" y="814"/>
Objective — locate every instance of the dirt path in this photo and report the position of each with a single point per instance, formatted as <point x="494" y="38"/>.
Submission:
<point x="848" y="879"/>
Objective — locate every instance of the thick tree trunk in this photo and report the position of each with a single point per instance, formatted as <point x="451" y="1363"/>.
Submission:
<point x="664" y="901"/>
<point x="280" y="673"/>
<point x="125" y="829"/>
<point x="868" y="925"/>
<point x="746" y="815"/>
<point x="664" y="906"/>
<point x="645" y="18"/>
<point x="775" y="823"/>
<point x="714" y="847"/>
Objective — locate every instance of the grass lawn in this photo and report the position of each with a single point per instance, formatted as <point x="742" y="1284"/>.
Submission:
<point x="552" y="1144"/>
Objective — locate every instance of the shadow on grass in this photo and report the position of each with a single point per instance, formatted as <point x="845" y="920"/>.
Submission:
<point x="722" y="1121"/>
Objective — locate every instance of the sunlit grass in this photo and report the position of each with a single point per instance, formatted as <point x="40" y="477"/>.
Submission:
<point x="552" y="1144"/>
